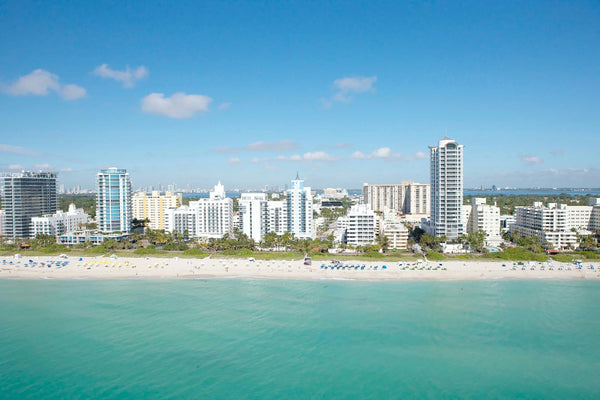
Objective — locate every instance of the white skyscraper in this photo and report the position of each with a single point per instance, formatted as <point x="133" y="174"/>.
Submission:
<point x="298" y="207"/>
<point x="447" y="189"/>
<point x="254" y="216"/>
<point x="113" y="201"/>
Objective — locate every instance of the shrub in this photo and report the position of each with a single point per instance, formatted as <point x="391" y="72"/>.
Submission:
<point x="435" y="256"/>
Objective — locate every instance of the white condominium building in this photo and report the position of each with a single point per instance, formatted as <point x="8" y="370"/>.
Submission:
<point x="153" y="207"/>
<point x="299" y="210"/>
<point x="406" y="197"/>
<point x="277" y="217"/>
<point x="595" y="215"/>
<point x="549" y="223"/>
<point x="204" y="218"/>
<point x="484" y="217"/>
<point x="578" y="217"/>
<point x="113" y="201"/>
<point x="2" y="216"/>
<point x="334" y="193"/>
<point x="259" y="216"/>
<point x="447" y="189"/>
<point x="393" y="228"/>
<point x="254" y="215"/>
<point x="60" y="222"/>
<point x="361" y="226"/>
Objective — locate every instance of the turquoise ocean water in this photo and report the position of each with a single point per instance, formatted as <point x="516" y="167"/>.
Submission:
<point x="273" y="339"/>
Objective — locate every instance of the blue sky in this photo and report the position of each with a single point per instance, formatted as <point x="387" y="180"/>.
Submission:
<point x="343" y="92"/>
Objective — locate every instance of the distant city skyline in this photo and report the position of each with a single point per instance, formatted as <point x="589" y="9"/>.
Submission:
<point x="344" y="92"/>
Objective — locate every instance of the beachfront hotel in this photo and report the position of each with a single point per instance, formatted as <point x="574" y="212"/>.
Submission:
<point x="113" y="200"/>
<point x="254" y="215"/>
<point x="406" y="197"/>
<point x="557" y="224"/>
<point x="153" y="207"/>
<point x="26" y="195"/>
<point x="361" y="225"/>
<point x="480" y="216"/>
<point x="210" y="218"/>
<point x="446" y="189"/>
<point x="298" y="207"/>
<point x="60" y="222"/>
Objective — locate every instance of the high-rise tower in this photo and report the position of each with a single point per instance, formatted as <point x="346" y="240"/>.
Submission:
<point x="298" y="207"/>
<point x="113" y="201"/>
<point x="447" y="189"/>
<point x="25" y="195"/>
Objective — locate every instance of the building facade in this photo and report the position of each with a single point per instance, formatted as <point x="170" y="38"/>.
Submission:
<point x="153" y="207"/>
<point x="254" y="215"/>
<point x="2" y="214"/>
<point x="549" y="223"/>
<point x="26" y="195"/>
<point x="210" y="218"/>
<point x="299" y="210"/>
<point x="361" y="225"/>
<point x="485" y="217"/>
<point x="60" y="222"/>
<point x="406" y="197"/>
<point x="446" y="166"/>
<point x="113" y="200"/>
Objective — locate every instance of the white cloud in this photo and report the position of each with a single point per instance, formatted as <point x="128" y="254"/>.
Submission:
<point x="557" y="152"/>
<point x="72" y="92"/>
<point x="41" y="83"/>
<point x="348" y="87"/>
<point x="16" y="167"/>
<point x="357" y="84"/>
<point x="224" y="106"/>
<point x="358" y="155"/>
<point x="282" y="145"/>
<point x="179" y="105"/>
<point x="68" y="169"/>
<point x="319" y="156"/>
<point x="383" y="152"/>
<point x="234" y="160"/>
<point x="128" y="77"/>
<point x="344" y="145"/>
<point x="7" y="148"/>
<point x="531" y="159"/>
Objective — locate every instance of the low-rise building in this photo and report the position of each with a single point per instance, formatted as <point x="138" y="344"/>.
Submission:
<point x="59" y="223"/>
<point x="93" y="237"/>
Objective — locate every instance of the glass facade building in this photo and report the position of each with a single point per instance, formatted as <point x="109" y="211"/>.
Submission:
<point x="113" y="201"/>
<point x="26" y="195"/>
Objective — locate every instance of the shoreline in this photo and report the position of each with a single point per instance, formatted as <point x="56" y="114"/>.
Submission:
<point x="75" y="268"/>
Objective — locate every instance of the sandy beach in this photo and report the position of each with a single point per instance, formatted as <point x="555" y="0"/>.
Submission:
<point x="54" y="267"/>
